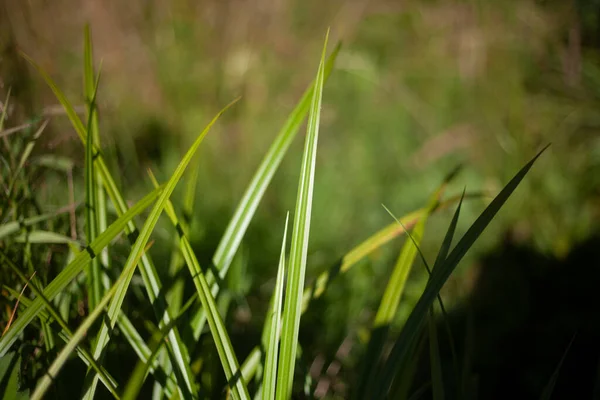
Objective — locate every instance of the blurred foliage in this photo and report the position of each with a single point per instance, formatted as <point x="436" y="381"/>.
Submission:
<point x="419" y="88"/>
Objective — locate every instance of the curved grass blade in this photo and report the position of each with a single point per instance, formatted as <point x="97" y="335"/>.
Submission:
<point x="217" y="327"/>
<point x="147" y="270"/>
<point x="44" y="237"/>
<point x="45" y="382"/>
<point x="299" y="247"/>
<point x="270" y="374"/>
<point x="439" y="275"/>
<point x="547" y="393"/>
<point x="26" y="153"/>
<point x="73" y="269"/>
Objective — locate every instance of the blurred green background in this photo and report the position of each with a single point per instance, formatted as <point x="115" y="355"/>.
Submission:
<point x="419" y="87"/>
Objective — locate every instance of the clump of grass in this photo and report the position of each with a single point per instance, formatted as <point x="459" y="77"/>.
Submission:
<point x="168" y="357"/>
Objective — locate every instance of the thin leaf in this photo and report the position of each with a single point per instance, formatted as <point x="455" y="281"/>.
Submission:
<point x="270" y="374"/>
<point x="437" y="380"/>
<point x="439" y="276"/>
<point x="245" y="210"/>
<point x="299" y="247"/>
<point x="547" y="393"/>
<point x="44" y="237"/>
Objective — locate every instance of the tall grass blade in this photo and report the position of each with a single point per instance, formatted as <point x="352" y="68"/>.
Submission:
<point x="94" y="285"/>
<point x="272" y="349"/>
<point x="245" y="210"/>
<point x="547" y="393"/>
<point x="136" y="253"/>
<point x="299" y="247"/>
<point x="437" y="379"/>
<point x="73" y="269"/>
<point x="439" y="276"/>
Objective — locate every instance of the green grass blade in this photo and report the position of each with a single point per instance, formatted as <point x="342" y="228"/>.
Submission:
<point x="94" y="285"/>
<point x="217" y="327"/>
<point x="260" y="181"/>
<point x="26" y="153"/>
<point x="66" y="333"/>
<point x="45" y="382"/>
<point x="236" y="229"/>
<point x="299" y="247"/>
<point x="136" y="252"/>
<point x="270" y="374"/>
<point x="438" y="278"/>
<point x="73" y="269"/>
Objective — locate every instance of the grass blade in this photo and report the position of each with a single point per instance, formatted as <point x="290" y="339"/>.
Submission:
<point x="270" y="374"/>
<point x="73" y="269"/>
<point x="547" y="393"/>
<point x="437" y="380"/>
<point x="299" y="247"/>
<point x="439" y="277"/>
<point x="245" y="210"/>
<point x="91" y="196"/>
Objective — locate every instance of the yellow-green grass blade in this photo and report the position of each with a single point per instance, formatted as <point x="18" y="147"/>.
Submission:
<point x="270" y="373"/>
<point x="147" y="270"/>
<point x="217" y="327"/>
<point x="94" y="286"/>
<point x="299" y="247"/>
<point x="439" y="276"/>
<point x="73" y="269"/>
<point x="182" y="359"/>
<point x="66" y="333"/>
<point x="245" y="210"/>
<point x="45" y="382"/>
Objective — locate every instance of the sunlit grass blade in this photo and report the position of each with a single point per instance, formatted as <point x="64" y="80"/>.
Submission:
<point x="217" y="327"/>
<point x="147" y="270"/>
<point x="73" y="269"/>
<point x="66" y="334"/>
<point x="272" y="349"/>
<point x="236" y="229"/>
<point x="299" y="247"/>
<point x="439" y="276"/>
<point x="135" y="254"/>
<point x="45" y="382"/>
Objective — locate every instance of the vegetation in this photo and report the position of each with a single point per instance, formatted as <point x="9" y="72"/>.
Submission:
<point x="214" y="300"/>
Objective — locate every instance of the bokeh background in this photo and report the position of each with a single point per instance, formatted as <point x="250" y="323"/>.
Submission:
<point x="419" y="88"/>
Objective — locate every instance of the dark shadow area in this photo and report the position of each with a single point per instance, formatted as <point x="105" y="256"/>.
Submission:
<point x="515" y="328"/>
